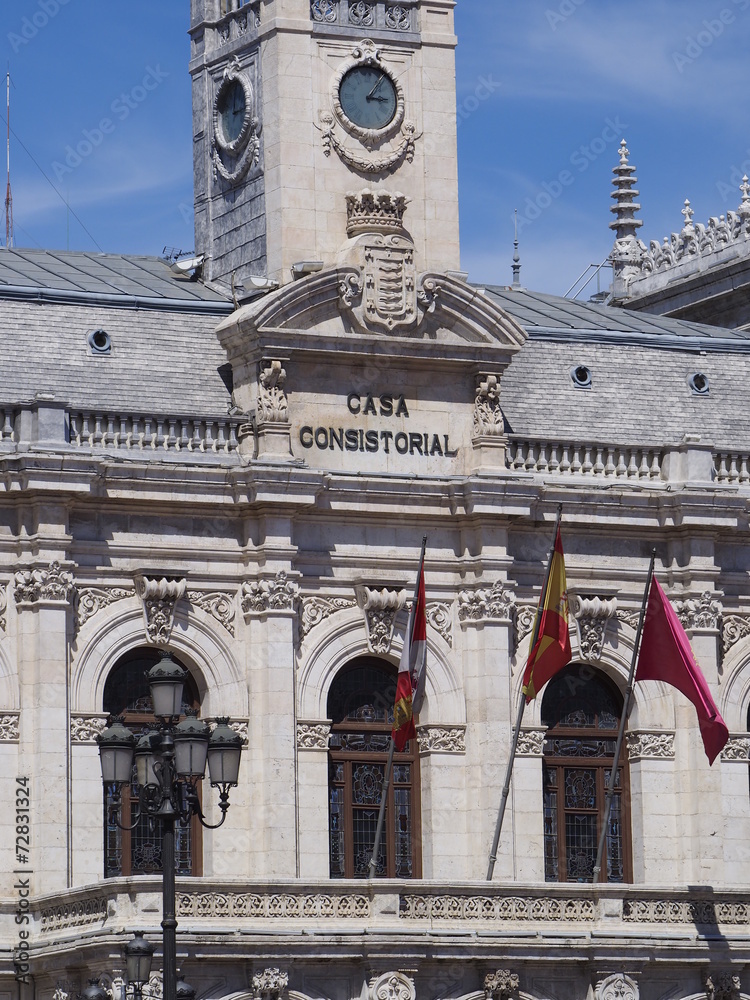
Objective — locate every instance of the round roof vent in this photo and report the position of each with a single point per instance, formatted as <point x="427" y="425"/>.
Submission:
<point x="581" y="376"/>
<point x="698" y="382"/>
<point x="100" y="342"/>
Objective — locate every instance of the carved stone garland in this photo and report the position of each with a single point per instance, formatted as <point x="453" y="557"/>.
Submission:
<point x="54" y="584"/>
<point x="592" y="615"/>
<point x="737" y="749"/>
<point x="501" y="985"/>
<point x="159" y="596"/>
<point x="9" y="727"/>
<point x="531" y="743"/>
<point x="617" y="987"/>
<point x="392" y="986"/>
<point x="86" y="728"/>
<point x="313" y="735"/>
<point x="442" y="739"/>
<point x="650" y="746"/>
<point x="380" y="608"/>
<point x="487" y="604"/>
<point x="261" y="596"/>
<point x="488" y="417"/>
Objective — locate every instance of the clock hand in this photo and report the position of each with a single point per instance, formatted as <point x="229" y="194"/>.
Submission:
<point x="379" y="81"/>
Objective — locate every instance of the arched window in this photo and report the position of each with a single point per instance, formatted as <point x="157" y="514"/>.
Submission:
<point x="360" y="705"/>
<point x="582" y="709"/>
<point x="138" y="851"/>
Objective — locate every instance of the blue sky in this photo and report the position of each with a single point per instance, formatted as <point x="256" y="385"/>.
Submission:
<point x="545" y="92"/>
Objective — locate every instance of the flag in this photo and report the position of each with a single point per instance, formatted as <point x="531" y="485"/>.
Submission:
<point x="666" y="655"/>
<point x="411" y="669"/>
<point x="551" y="650"/>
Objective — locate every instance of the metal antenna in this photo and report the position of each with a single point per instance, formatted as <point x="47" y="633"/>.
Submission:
<point x="516" y="257"/>
<point x="8" y="195"/>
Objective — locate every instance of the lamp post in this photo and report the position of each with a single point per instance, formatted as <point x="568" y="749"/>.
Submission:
<point x="170" y="760"/>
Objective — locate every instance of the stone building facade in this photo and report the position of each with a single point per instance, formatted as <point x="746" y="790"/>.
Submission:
<point x="237" y="464"/>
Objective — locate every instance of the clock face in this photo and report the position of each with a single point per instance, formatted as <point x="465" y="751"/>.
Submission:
<point x="368" y="97"/>
<point x="231" y="106"/>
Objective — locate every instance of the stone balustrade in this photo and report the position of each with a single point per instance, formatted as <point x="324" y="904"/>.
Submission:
<point x="732" y="467"/>
<point x="569" y="458"/>
<point x="210" y="435"/>
<point x="7" y="425"/>
<point x="381" y="15"/>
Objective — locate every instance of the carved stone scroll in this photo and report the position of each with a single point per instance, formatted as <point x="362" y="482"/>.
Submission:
<point x="439" y="617"/>
<point x="735" y="627"/>
<point x="380" y="608"/>
<point x="92" y="599"/>
<point x="317" y="609"/>
<point x="592" y="615"/>
<point x="219" y="605"/>
<point x="159" y="596"/>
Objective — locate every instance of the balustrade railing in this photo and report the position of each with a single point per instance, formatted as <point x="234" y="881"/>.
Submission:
<point x="732" y="467"/>
<point x="208" y="435"/>
<point x="7" y="426"/>
<point x="569" y="458"/>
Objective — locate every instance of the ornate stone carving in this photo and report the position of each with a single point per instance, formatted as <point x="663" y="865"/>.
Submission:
<point x="487" y="604"/>
<point x="269" y="984"/>
<point x="9" y="728"/>
<point x="317" y="609"/>
<point x="220" y="606"/>
<point x="398" y="18"/>
<point x="375" y="212"/>
<point x="361" y="14"/>
<point x="617" y="987"/>
<point x="85" y="728"/>
<point x="722" y="986"/>
<point x="152" y="990"/>
<point x="592" y="615"/>
<point x="685" y="911"/>
<point x="737" y="748"/>
<point x="272" y="400"/>
<point x="65" y="989"/>
<point x="501" y="985"/>
<point x="650" y="746"/>
<point x="159" y="596"/>
<point x="243" y="152"/>
<point x="735" y="627"/>
<point x="236" y="725"/>
<point x="442" y="739"/>
<point x="93" y="599"/>
<point x="3" y="606"/>
<point x="390" y="283"/>
<point x="261" y="596"/>
<point x="313" y="735"/>
<point x="488" y="417"/>
<point x="380" y="608"/>
<point x="451" y="907"/>
<point x="700" y="613"/>
<point x="531" y="743"/>
<point x="54" y="584"/>
<point x="324" y="11"/>
<point x="392" y="986"/>
<point x="273" y="906"/>
<point x="524" y="621"/>
<point x="439" y="617"/>
<point x="75" y="913"/>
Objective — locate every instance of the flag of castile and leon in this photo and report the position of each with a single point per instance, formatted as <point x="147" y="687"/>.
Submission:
<point x="551" y="651"/>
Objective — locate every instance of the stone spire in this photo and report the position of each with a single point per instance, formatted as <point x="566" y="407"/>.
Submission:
<point x="627" y="251"/>
<point x="516" y="257"/>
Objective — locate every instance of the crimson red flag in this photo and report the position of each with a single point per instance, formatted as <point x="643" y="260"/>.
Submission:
<point x="666" y="655"/>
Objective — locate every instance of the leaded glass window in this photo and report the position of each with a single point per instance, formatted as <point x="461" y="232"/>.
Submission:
<point x="582" y="709"/>
<point x="360" y="705"/>
<point x="138" y="851"/>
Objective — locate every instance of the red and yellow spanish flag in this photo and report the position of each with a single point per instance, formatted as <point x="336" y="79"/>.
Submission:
<point x="551" y="650"/>
<point x="411" y="669"/>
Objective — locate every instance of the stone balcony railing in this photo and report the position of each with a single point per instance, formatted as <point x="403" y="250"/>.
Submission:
<point x="162" y="434"/>
<point x="530" y="912"/>
<point x="570" y="458"/>
<point x="371" y="15"/>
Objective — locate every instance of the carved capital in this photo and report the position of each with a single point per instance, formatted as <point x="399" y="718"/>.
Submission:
<point x="380" y="608"/>
<point x="85" y="728"/>
<point x="442" y="739"/>
<point x="49" y="585"/>
<point x="722" y="986"/>
<point x="487" y="604"/>
<point x="219" y="605"/>
<point x="531" y="743"/>
<point x="392" y="986"/>
<point x="92" y="599"/>
<point x="617" y="987"/>
<point x="317" y="609"/>
<point x="650" y="746"/>
<point x="273" y="406"/>
<point x="501" y="985"/>
<point x="263" y="596"/>
<point x="737" y="749"/>
<point x="159" y="596"/>
<point x="488" y="417"/>
<point x="269" y="984"/>
<point x="700" y="613"/>
<point x="313" y="735"/>
<point x="9" y="727"/>
<point x="592" y="615"/>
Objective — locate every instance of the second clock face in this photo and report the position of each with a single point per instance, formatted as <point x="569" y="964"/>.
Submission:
<point x="368" y="97"/>
<point x="231" y="111"/>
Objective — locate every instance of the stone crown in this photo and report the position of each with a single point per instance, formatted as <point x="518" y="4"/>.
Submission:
<point x="375" y="212"/>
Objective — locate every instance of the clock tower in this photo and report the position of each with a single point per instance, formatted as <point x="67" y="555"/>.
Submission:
<point x="300" y="105"/>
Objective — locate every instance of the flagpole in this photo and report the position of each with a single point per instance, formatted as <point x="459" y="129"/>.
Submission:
<point x="623" y="719"/>
<point x="521" y="707"/>
<point x="389" y="765"/>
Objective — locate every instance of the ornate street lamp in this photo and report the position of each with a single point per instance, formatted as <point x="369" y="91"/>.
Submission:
<point x="170" y="761"/>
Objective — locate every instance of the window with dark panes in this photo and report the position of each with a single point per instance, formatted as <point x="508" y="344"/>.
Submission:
<point x="582" y="709"/>
<point x="360" y="705"/>
<point x="138" y="851"/>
